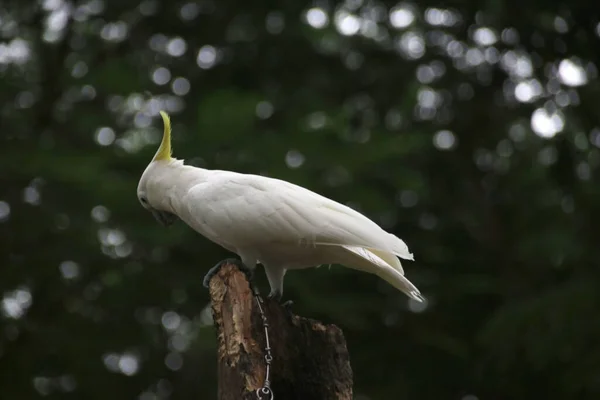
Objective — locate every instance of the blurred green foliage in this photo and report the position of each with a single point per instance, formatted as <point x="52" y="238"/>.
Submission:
<point x="469" y="129"/>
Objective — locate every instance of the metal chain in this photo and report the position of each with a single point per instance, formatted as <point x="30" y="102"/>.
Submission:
<point x="265" y="392"/>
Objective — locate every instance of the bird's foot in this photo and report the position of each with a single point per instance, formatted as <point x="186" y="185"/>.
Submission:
<point x="214" y="270"/>
<point x="287" y="305"/>
<point x="274" y="295"/>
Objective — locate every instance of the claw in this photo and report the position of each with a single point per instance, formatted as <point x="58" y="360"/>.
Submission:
<point x="274" y="295"/>
<point x="214" y="270"/>
<point x="288" y="306"/>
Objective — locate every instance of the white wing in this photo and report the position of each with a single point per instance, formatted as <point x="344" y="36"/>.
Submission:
<point x="249" y="209"/>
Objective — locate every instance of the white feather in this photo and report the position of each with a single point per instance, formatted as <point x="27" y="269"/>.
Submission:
<point x="382" y="269"/>
<point x="281" y="224"/>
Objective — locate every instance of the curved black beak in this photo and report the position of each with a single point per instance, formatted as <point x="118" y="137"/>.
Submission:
<point x="164" y="217"/>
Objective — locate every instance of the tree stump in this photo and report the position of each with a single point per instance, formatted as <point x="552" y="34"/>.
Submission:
<point x="310" y="359"/>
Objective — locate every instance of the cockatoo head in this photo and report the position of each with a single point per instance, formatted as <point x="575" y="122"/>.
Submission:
<point x="149" y="199"/>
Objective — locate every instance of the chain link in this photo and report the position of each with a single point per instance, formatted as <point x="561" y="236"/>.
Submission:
<point x="265" y="392"/>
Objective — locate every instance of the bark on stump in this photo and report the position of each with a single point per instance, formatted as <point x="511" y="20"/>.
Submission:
<point x="310" y="359"/>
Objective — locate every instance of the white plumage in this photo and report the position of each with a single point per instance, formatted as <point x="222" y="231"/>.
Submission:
<point x="269" y="221"/>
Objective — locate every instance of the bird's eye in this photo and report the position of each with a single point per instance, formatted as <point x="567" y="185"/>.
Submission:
<point x="143" y="200"/>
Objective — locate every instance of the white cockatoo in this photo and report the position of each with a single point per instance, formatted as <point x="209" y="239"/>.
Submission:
<point x="269" y="221"/>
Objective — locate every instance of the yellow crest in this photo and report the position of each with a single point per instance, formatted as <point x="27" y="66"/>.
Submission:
<point x="164" y="151"/>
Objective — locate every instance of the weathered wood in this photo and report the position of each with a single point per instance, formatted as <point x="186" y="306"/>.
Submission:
<point x="310" y="359"/>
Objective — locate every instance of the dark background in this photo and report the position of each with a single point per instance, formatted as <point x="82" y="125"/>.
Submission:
<point x="469" y="129"/>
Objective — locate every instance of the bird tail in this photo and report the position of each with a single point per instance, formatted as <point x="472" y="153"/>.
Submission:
<point x="383" y="264"/>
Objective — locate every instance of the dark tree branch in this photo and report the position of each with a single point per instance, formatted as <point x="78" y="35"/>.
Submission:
<point x="311" y="360"/>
